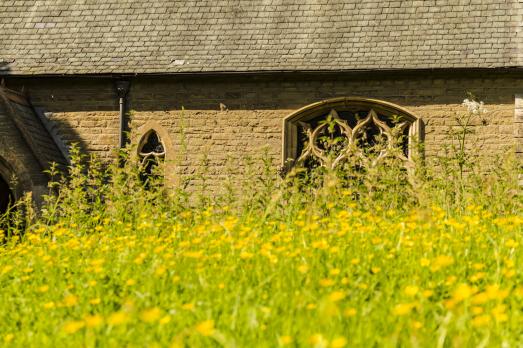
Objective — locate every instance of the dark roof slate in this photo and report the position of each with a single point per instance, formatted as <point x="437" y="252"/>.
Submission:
<point x="168" y="36"/>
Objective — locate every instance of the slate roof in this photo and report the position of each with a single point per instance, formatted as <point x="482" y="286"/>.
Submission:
<point x="169" y="36"/>
<point x="36" y="130"/>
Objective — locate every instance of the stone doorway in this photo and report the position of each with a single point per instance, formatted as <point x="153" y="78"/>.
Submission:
<point x="6" y="196"/>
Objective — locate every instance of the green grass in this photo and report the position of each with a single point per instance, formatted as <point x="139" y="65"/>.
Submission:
<point x="417" y="278"/>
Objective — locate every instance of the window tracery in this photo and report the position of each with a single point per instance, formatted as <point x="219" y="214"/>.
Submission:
<point x="152" y="153"/>
<point x="366" y="130"/>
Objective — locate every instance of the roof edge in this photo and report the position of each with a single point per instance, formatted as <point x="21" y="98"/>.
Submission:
<point x="271" y="72"/>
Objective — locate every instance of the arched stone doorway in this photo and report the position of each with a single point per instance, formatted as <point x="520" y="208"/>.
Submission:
<point x="6" y="196"/>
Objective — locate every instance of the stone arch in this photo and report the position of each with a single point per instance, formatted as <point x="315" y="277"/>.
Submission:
<point x="14" y="182"/>
<point x="16" y="178"/>
<point x="153" y="126"/>
<point x="375" y="109"/>
<point x="143" y="134"/>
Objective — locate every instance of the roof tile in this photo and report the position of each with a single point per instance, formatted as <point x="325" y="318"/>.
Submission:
<point x="143" y="36"/>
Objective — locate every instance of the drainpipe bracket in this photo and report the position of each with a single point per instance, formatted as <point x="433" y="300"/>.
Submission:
<point x="122" y="88"/>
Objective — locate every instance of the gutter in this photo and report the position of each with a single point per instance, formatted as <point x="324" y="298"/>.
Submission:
<point x="123" y="74"/>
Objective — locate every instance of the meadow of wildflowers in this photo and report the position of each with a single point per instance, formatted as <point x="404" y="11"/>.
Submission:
<point x="344" y="278"/>
<point x="109" y="263"/>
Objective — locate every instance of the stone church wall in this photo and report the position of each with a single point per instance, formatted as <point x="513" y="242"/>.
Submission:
<point x="227" y="117"/>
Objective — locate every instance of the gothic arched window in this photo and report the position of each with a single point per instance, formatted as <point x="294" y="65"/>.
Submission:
<point x="151" y="151"/>
<point x="332" y="131"/>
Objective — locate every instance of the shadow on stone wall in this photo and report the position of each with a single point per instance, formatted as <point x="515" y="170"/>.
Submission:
<point x="82" y="111"/>
<point x="68" y="134"/>
<point x="263" y="91"/>
<point x="291" y="91"/>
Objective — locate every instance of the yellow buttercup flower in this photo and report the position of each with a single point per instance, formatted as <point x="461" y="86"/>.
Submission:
<point x="265" y="310"/>
<point x="338" y="342"/>
<point x="49" y="305"/>
<point x="350" y="312"/>
<point x="411" y="290"/>
<point x="450" y="280"/>
<point x="481" y="320"/>
<point x="188" y="306"/>
<point x="73" y="326"/>
<point x="416" y="325"/>
<point x="43" y="288"/>
<point x="494" y="292"/>
<point x="311" y="306"/>
<point x="303" y="269"/>
<point x="478" y="266"/>
<point x="6" y="269"/>
<point x="118" y="318"/>
<point x="462" y="292"/>
<point x="245" y="255"/>
<point x="424" y="262"/>
<point x="70" y="301"/>
<point x="285" y="340"/>
<point x="150" y="315"/>
<point x="375" y="270"/>
<point x="403" y="309"/>
<point x="441" y="262"/>
<point x="334" y="271"/>
<point x="92" y="321"/>
<point x="326" y="282"/>
<point x="165" y="320"/>
<point x="337" y="296"/>
<point x="8" y="337"/>
<point x="95" y="301"/>
<point x="317" y="340"/>
<point x="427" y="293"/>
<point x="499" y="313"/>
<point x="160" y="271"/>
<point x="205" y="328"/>
<point x="511" y="243"/>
